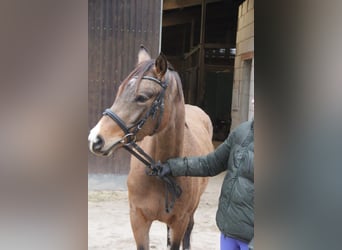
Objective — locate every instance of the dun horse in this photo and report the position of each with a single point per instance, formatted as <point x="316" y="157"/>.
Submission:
<point x="150" y="119"/>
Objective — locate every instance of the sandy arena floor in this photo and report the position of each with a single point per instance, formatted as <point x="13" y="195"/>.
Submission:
<point x="109" y="226"/>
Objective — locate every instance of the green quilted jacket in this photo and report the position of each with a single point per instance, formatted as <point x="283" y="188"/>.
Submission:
<point x="235" y="214"/>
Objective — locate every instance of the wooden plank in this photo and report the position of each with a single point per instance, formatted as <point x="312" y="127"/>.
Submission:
<point x="191" y="52"/>
<point x="220" y="68"/>
<point x="200" y="84"/>
<point x="180" y="17"/>
<point x="218" y="45"/>
<point x="179" y="4"/>
<point x="247" y="55"/>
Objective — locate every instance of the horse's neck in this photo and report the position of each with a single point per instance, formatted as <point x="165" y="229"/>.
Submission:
<point x="169" y="142"/>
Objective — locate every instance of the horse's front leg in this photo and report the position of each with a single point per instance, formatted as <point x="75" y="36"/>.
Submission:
<point x="186" y="238"/>
<point x="141" y="228"/>
<point x="177" y="231"/>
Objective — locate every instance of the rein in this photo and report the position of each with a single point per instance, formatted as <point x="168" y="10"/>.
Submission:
<point x="129" y="142"/>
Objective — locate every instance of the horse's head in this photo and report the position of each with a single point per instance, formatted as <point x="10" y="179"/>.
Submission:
<point x="141" y="106"/>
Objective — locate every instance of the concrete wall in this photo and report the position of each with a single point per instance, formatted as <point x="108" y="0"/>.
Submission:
<point x="243" y="87"/>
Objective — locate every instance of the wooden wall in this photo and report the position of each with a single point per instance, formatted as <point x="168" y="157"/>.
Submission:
<point x="116" y="28"/>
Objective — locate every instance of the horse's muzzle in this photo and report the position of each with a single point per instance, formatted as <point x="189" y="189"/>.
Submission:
<point x="97" y="144"/>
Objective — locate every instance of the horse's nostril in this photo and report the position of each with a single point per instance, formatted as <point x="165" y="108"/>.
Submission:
<point x="98" y="144"/>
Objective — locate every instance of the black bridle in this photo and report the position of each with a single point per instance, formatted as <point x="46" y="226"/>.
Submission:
<point x="129" y="141"/>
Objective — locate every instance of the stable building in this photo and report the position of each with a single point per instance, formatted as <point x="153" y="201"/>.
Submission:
<point x="209" y="42"/>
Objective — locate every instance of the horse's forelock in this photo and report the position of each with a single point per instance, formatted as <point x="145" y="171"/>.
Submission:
<point x="145" y="67"/>
<point x="142" y="68"/>
<point x="138" y="72"/>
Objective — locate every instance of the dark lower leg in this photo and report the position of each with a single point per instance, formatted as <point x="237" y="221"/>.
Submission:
<point x="186" y="239"/>
<point x="177" y="230"/>
<point x="168" y="237"/>
<point x="175" y="246"/>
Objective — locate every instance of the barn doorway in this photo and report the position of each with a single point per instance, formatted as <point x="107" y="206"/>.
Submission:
<point x="199" y="39"/>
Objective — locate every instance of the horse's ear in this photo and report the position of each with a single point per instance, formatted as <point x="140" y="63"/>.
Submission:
<point x="143" y="54"/>
<point x="161" y="65"/>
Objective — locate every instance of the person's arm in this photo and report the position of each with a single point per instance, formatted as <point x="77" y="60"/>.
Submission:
<point x="208" y="165"/>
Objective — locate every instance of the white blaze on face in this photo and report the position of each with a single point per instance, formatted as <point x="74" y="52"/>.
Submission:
<point x="132" y="82"/>
<point x="93" y="135"/>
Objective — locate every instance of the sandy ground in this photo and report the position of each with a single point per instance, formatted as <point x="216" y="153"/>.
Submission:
<point x="109" y="226"/>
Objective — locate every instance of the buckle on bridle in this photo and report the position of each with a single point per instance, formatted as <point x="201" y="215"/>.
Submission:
<point x="128" y="139"/>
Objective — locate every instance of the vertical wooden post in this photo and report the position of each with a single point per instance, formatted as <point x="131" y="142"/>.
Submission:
<point x="200" y="85"/>
<point x="191" y="42"/>
<point x="184" y="39"/>
<point x="192" y="33"/>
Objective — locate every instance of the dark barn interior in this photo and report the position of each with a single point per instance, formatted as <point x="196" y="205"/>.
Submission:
<point x="198" y="38"/>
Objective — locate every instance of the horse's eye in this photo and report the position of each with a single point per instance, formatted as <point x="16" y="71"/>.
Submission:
<point x="141" y="98"/>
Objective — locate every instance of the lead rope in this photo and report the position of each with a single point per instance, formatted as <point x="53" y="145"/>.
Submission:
<point x="153" y="168"/>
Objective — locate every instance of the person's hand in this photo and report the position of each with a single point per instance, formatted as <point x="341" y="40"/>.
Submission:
<point x="164" y="170"/>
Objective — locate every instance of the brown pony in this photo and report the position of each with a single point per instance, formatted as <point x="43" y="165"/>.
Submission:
<point x="173" y="129"/>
